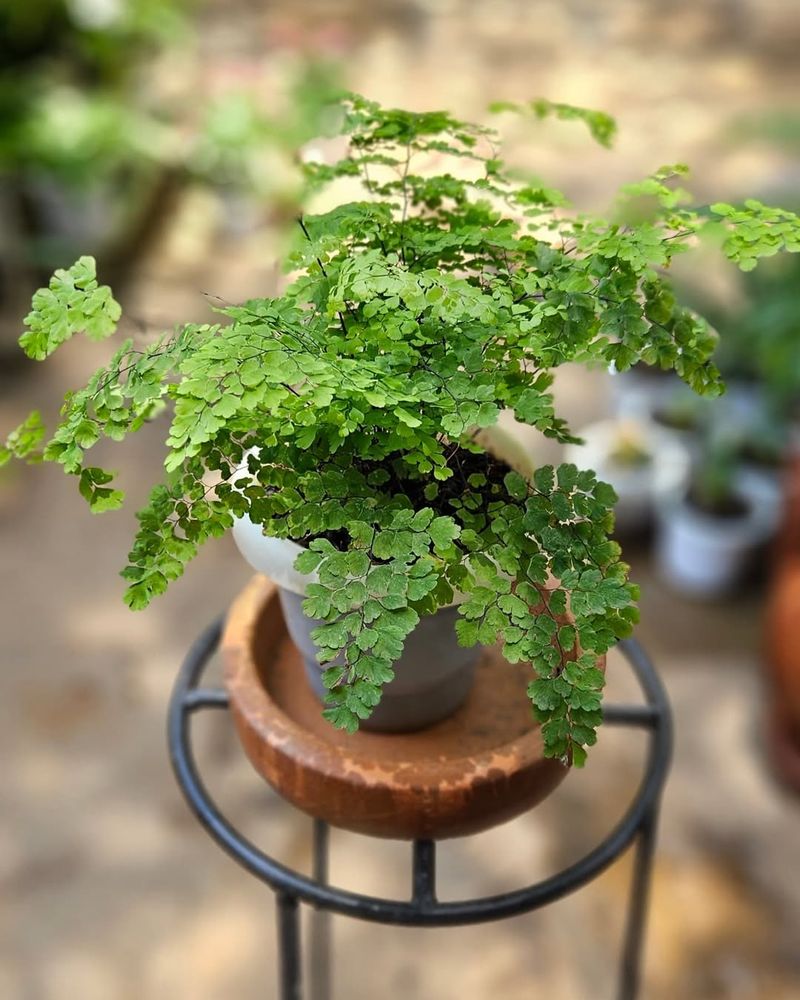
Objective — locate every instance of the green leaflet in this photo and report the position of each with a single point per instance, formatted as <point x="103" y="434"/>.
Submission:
<point x="25" y="440"/>
<point x="602" y="126"/>
<point x="72" y="303"/>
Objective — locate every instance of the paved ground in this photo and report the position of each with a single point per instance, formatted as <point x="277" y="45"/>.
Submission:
<point x="109" y="890"/>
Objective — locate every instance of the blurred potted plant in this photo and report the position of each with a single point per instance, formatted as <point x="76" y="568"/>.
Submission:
<point x="758" y="352"/>
<point x="97" y="176"/>
<point x="762" y="453"/>
<point x="641" y="390"/>
<point x="682" y="414"/>
<point x="343" y="416"/>
<point x="707" y="537"/>
<point x="645" y="465"/>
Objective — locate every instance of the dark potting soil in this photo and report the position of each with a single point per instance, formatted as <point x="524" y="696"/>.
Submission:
<point x="767" y="458"/>
<point x="675" y="420"/>
<point x="728" y="508"/>
<point x="464" y="464"/>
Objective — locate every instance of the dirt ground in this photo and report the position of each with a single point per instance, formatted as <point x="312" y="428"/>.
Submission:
<point x="109" y="889"/>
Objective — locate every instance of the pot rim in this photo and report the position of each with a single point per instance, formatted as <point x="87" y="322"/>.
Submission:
<point x="495" y="439"/>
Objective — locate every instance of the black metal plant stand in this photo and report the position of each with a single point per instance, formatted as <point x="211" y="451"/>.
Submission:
<point x="423" y="909"/>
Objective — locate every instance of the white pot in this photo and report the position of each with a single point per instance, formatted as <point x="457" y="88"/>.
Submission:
<point x="705" y="556"/>
<point x="639" y="488"/>
<point x="274" y="557"/>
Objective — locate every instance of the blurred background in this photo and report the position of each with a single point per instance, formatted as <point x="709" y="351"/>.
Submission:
<point x="155" y="134"/>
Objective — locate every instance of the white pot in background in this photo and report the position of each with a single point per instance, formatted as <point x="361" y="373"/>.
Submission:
<point x="640" y="391"/>
<point x="706" y="556"/>
<point x="767" y="485"/>
<point x="744" y="404"/>
<point x="640" y="488"/>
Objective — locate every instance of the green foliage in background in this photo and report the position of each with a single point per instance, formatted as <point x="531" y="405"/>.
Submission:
<point x="760" y="333"/>
<point x="344" y="413"/>
<point x="248" y="147"/>
<point x="69" y="104"/>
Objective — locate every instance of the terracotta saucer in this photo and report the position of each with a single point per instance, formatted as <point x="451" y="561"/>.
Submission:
<point x="481" y="767"/>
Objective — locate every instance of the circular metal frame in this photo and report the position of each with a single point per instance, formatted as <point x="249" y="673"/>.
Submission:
<point x="423" y="909"/>
<point x="188" y="698"/>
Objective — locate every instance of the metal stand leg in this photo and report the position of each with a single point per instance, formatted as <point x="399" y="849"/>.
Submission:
<point x="630" y="972"/>
<point x="320" y="945"/>
<point x="289" y="947"/>
<point x="424" y="873"/>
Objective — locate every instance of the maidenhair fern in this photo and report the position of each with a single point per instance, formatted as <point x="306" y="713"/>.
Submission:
<point x="345" y="413"/>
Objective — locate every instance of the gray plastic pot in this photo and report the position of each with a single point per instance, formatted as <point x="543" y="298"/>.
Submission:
<point x="432" y="677"/>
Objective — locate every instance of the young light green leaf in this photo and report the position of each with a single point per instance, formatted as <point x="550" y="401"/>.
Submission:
<point x="72" y="303"/>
